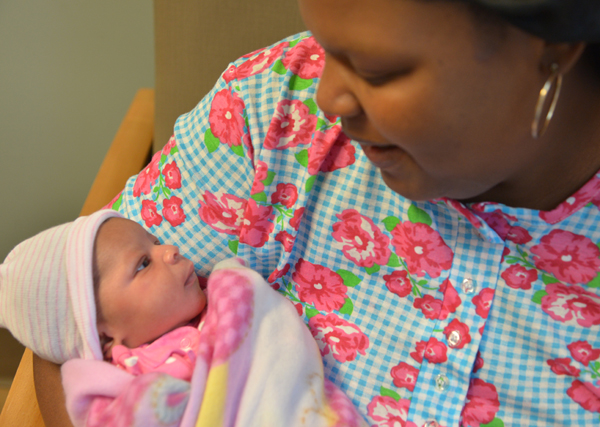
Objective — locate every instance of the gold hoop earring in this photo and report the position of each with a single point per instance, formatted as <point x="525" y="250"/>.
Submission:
<point x="539" y="124"/>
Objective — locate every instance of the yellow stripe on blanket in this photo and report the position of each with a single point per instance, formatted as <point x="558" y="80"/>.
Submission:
<point x="212" y="410"/>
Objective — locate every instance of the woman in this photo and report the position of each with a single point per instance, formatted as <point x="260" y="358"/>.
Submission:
<point x="449" y="267"/>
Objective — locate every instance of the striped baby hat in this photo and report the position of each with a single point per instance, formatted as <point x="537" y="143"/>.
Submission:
<point x="47" y="294"/>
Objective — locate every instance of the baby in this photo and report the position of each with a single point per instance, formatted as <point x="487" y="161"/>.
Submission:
<point x="104" y="289"/>
<point x="98" y="285"/>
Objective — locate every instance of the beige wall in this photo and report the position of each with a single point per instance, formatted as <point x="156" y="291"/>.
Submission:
<point x="68" y="70"/>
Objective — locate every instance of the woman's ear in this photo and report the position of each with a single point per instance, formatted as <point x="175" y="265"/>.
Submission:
<point x="565" y="55"/>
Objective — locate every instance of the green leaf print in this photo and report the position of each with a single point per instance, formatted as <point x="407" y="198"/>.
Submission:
<point x="311" y="312"/>
<point x="238" y="149"/>
<point x="302" y="158"/>
<point x="279" y="68"/>
<point x="537" y="297"/>
<point x="233" y="246"/>
<point x="417" y="215"/>
<point x="298" y="83"/>
<point x="547" y="279"/>
<point x="320" y="124"/>
<point x="350" y="279"/>
<point x="391" y="222"/>
<point x="394" y="261"/>
<point x="117" y="204"/>
<point x="347" y="308"/>
<point x="211" y="141"/>
<point x="270" y="177"/>
<point x="174" y="150"/>
<point x="295" y="42"/>
<point x="309" y="183"/>
<point x="372" y="270"/>
<point x="260" y="197"/>
<point x="389" y="393"/>
<point x="312" y="106"/>
<point x="595" y="282"/>
<point x="496" y="422"/>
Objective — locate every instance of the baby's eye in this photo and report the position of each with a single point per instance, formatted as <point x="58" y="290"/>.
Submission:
<point x="145" y="263"/>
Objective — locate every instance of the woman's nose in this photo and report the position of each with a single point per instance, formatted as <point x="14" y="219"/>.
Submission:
<point x="171" y="254"/>
<point x="334" y="94"/>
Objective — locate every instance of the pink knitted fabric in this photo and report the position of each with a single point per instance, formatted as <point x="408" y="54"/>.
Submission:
<point x="46" y="291"/>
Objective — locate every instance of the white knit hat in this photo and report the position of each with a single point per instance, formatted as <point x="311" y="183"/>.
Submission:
<point x="47" y="293"/>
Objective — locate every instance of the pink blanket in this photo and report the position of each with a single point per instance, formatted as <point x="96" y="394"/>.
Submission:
<point x="257" y="365"/>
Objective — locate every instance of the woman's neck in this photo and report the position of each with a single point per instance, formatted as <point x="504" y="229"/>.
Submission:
<point x="571" y="153"/>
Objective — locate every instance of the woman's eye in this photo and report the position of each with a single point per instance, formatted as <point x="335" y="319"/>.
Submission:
<point x="145" y="263"/>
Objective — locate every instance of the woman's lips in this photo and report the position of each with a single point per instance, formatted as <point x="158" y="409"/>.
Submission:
<point x="382" y="156"/>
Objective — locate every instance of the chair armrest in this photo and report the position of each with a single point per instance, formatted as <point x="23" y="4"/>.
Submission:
<point x="128" y="153"/>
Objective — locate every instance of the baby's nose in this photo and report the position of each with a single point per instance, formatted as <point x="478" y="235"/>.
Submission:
<point x="172" y="254"/>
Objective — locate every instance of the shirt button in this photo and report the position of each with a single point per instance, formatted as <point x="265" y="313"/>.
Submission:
<point x="431" y="423"/>
<point x="468" y="286"/>
<point x="454" y="339"/>
<point x="441" y="382"/>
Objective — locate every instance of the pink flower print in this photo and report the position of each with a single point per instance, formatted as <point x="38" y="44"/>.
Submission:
<point x="277" y="273"/>
<point x="388" y="412"/>
<point x="562" y="366"/>
<point x="451" y="300"/>
<point x="306" y="59"/>
<point x="581" y="198"/>
<point x="292" y="125"/>
<point x="262" y="171"/>
<point x="295" y="220"/>
<point x="145" y="179"/>
<point x="498" y="221"/>
<point x="569" y="257"/>
<point x="398" y="283"/>
<point x="481" y="405"/>
<point x="172" y="176"/>
<point x="571" y="304"/>
<point x="483" y="302"/>
<point x="422" y="248"/>
<point x="257" y="224"/>
<point x="260" y="60"/>
<point x="518" y="235"/>
<point x="173" y="212"/>
<point x="586" y="395"/>
<point x="110" y="204"/>
<point x="430" y="306"/>
<point x="435" y="351"/>
<point x="333" y="334"/>
<point x="362" y="241"/>
<point x="330" y="151"/>
<point x="286" y="239"/>
<point x="230" y="73"/>
<point x="405" y="376"/>
<point x="224" y="214"/>
<point x="319" y="285"/>
<point x="150" y="214"/>
<point x="478" y="363"/>
<point x="419" y="351"/>
<point x="169" y="145"/>
<point x="518" y="277"/>
<point x="463" y="332"/>
<point x="286" y="194"/>
<point x="226" y="117"/>
<point x="583" y="352"/>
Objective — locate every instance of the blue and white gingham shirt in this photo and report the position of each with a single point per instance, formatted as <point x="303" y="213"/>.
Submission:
<point x="396" y="293"/>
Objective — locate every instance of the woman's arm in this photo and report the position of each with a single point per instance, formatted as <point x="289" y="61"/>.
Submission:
<point x="50" y="395"/>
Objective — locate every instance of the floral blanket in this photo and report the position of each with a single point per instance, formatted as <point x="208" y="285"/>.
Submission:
<point x="257" y="365"/>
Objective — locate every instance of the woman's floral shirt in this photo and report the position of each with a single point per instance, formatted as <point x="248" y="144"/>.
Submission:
<point x="480" y="315"/>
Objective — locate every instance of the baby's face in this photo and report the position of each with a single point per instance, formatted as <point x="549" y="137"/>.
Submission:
<point x="145" y="289"/>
